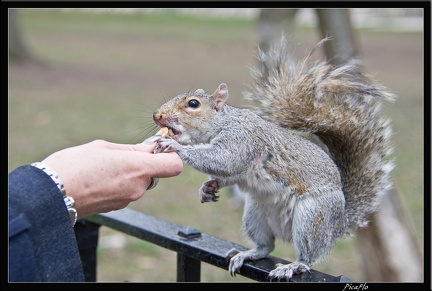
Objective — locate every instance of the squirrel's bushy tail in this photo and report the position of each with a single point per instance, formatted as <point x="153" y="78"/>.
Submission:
<point x="342" y="110"/>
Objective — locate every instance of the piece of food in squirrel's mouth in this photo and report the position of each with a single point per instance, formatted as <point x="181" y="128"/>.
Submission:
<point x="164" y="131"/>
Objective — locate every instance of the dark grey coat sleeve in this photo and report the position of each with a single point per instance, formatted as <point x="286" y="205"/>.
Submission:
<point x="42" y="242"/>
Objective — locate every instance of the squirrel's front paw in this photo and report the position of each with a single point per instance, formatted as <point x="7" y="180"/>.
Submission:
<point x="208" y="190"/>
<point x="166" y="145"/>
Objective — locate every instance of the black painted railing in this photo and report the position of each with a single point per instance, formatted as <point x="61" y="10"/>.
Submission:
<point x="192" y="247"/>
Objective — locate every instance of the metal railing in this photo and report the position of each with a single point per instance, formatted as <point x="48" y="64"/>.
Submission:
<point x="192" y="247"/>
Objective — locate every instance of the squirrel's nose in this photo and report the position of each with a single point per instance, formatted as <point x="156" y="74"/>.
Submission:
<point x="157" y="116"/>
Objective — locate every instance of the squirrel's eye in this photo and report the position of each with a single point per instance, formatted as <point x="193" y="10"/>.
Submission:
<point x="193" y="103"/>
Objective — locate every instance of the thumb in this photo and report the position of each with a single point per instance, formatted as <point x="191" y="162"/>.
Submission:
<point x="148" y="148"/>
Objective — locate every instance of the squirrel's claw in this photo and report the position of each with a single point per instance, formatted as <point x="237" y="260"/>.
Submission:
<point x="231" y="253"/>
<point x="208" y="197"/>
<point x="287" y="271"/>
<point x="236" y="260"/>
<point x="208" y="190"/>
<point x="167" y="145"/>
<point x="152" y="139"/>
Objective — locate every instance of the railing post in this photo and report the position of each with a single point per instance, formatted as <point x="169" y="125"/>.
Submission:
<point x="87" y="235"/>
<point x="188" y="269"/>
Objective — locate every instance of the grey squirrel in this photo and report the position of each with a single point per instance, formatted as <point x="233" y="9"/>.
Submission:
<point x="294" y="189"/>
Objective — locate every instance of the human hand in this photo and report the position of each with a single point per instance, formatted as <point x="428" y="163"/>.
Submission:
<point x="102" y="176"/>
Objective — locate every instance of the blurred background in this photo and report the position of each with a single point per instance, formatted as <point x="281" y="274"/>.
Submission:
<point x="76" y="75"/>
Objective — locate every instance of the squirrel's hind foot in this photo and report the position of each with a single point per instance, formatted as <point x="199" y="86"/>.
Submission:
<point x="287" y="271"/>
<point x="231" y="253"/>
<point x="235" y="261"/>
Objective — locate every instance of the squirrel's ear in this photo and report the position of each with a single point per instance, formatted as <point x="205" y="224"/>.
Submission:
<point x="220" y="96"/>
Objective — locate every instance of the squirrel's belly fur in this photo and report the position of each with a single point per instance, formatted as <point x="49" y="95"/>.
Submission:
<point x="278" y="199"/>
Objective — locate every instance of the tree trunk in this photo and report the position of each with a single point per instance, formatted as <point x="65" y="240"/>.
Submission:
<point x="388" y="247"/>
<point x="272" y="23"/>
<point x="17" y="48"/>
<point x="336" y="24"/>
